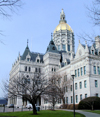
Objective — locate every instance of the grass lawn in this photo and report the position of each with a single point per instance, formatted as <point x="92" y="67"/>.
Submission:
<point x="95" y="111"/>
<point x="43" y="113"/>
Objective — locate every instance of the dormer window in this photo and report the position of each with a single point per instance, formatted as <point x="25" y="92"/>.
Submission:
<point x="37" y="60"/>
<point x="53" y="48"/>
<point x="28" y="59"/>
<point x="93" y="52"/>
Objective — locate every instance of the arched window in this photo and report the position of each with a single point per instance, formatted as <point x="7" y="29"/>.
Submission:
<point x="35" y="69"/>
<point x="37" y="60"/>
<point x="29" y="69"/>
<point x="52" y="69"/>
<point x="39" y="70"/>
<point x="93" y="52"/>
<point x="25" y="68"/>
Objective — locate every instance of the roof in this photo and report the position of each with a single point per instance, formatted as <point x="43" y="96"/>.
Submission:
<point x="52" y="48"/>
<point x="33" y="55"/>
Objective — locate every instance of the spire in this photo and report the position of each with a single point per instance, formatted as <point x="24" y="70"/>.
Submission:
<point x="62" y="16"/>
<point x="27" y="44"/>
<point x="86" y="48"/>
<point x="51" y="36"/>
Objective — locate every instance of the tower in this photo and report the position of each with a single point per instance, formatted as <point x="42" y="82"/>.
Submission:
<point x="63" y="36"/>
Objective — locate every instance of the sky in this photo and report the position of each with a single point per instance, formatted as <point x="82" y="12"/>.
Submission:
<point x="35" y="21"/>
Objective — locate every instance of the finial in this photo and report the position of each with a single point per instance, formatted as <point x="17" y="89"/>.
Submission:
<point x="86" y="42"/>
<point x="27" y="42"/>
<point x="51" y="36"/>
<point x="79" y="41"/>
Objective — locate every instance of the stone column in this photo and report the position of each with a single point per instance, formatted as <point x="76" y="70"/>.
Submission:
<point x="19" y="102"/>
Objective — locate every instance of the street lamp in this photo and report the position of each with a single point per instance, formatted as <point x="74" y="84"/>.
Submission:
<point x="72" y="74"/>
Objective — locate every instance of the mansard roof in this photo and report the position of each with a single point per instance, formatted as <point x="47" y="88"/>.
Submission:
<point x="52" y="48"/>
<point x="33" y="55"/>
<point x="27" y="50"/>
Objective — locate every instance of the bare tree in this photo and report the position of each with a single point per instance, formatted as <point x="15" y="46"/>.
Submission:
<point x="30" y="88"/>
<point x="9" y="5"/>
<point x="94" y="12"/>
<point x="52" y="93"/>
<point x="56" y="89"/>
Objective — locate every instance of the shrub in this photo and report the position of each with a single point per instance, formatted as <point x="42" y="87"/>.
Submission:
<point x="90" y="103"/>
<point x="69" y="106"/>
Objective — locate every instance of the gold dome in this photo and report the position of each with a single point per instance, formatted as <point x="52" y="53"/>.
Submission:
<point x="63" y="26"/>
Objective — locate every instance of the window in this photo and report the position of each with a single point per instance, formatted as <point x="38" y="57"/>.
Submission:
<point x="71" y="99"/>
<point x="28" y="59"/>
<point x="68" y="47"/>
<point x="85" y="95"/>
<point x="45" y="101"/>
<point x="39" y="70"/>
<point x="94" y="69"/>
<point x="65" y="78"/>
<point x="98" y="70"/>
<point x="25" y="68"/>
<point x="53" y="48"/>
<point x="37" y="60"/>
<point x="67" y="100"/>
<point x="58" y="47"/>
<point x="84" y="70"/>
<point x="29" y="69"/>
<point x="75" y="73"/>
<point x="71" y="88"/>
<point x="75" y="86"/>
<point x="80" y="97"/>
<point x="96" y="94"/>
<point x="66" y="89"/>
<point x="27" y="81"/>
<point x="76" y="98"/>
<point x="54" y="69"/>
<point x="59" y="101"/>
<point x="85" y="84"/>
<point x="59" y="81"/>
<point x="96" y="83"/>
<point x="35" y="69"/>
<point x="81" y="71"/>
<point x="78" y="72"/>
<point x="93" y="52"/>
<point x="64" y="47"/>
<point x="80" y="85"/>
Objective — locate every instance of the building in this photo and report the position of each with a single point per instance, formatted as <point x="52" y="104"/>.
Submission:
<point x="60" y="57"/>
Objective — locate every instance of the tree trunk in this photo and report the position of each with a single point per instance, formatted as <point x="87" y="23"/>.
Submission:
<point x="63" y="101"/>
<point x="92" y="107"/>
<point x="34" y="109"/>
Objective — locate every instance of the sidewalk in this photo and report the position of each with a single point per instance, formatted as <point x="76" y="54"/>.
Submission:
<point x="87" y="114"/>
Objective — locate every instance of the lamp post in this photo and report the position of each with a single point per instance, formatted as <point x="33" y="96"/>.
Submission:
<point x="73" y="95"/>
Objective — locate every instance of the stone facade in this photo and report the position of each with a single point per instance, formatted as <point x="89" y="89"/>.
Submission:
<point x="60" y="58"/>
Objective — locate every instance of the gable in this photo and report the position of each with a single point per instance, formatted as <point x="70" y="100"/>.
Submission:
<point x="80" y="51"/>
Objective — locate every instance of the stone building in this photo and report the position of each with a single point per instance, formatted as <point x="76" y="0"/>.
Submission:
<point x="60" y="57"/>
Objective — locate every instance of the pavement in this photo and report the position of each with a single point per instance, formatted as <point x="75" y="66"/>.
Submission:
<point x="87" y="114"/>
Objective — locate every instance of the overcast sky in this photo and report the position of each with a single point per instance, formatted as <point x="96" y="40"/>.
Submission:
<point x="36" y="20"/>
